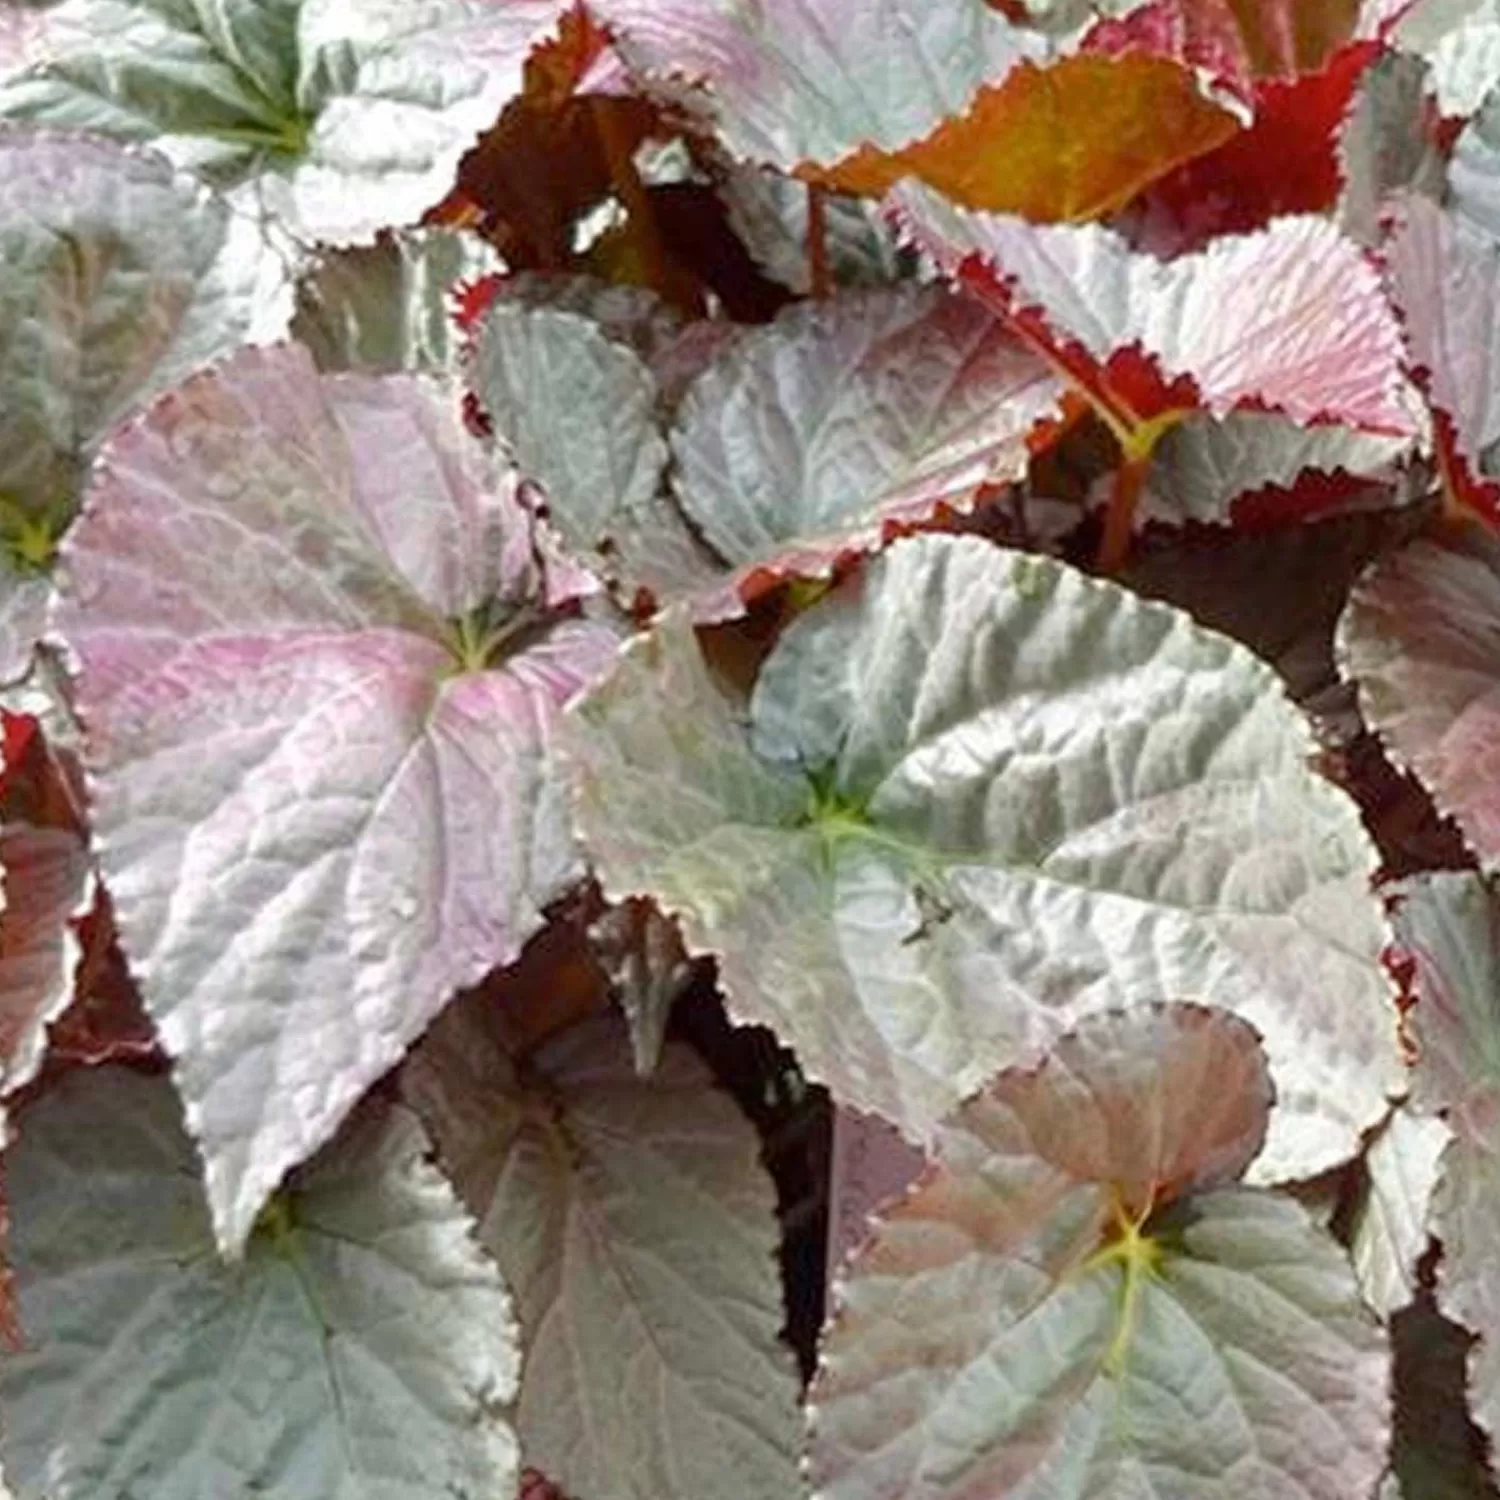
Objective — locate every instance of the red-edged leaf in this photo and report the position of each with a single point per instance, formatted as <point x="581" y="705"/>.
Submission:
<point x="1421" y="637"/>
<point x="1292" y="318"/>
<point x="16" y="731"/>
<point x="1237" y="40"/>
<point x="1445" y="279"/>
<point x="996" y="115"/>
<point x="1286" y="162"/>
<point x="1203" y="33"/>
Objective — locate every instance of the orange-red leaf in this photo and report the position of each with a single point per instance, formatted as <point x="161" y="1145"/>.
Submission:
<point x="1066" y="142"/>
<point x="1286" y="162"/>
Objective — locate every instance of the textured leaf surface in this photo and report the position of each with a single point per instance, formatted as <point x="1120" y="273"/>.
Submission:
<point x="807" y="437"/>
<point x="1385" y="146"/>
<point x="1460" y="40"/>
<point x="1450" y="924"/>
<point x="1419" y="637"/>
<point x="1204" y="465"/>
<point x="980" y="796"/>
<point x="1074" y="1302"/>
<point x="652" y="1360"/>
<point x="870" y="1162"/>
<point x="319" y="658"/>
<point x="23" y="40"/>
<point x="888" y="71"/>
<point x="579" y="412"/>
<point x="1292" y="317"/>
<point x="1390" y="1233"/>
<point x="118" y="276"/>
<point x="363" y="1350"/>
<point x="332" y="118"/>
<point x="1445" y="278"/>
<point x="769" y="213"/>
<point x="1071" y="140"/>
<point x="950" y="91"/>
<point x="393" y="305"/>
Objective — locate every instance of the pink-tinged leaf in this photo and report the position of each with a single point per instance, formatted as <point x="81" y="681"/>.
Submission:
<point x="870" y="1164"/>
<point x="319" y="654"/>
<point x="1449" y="924"/>
<point x="809" y="439"/>
<point x="1204" y="35"/>
<point x="23" y="34"/>
<point x="1291" y="318"/>
<point x="1445" y="279"/>
<point x="1077" y="1303"/>
<point x="1421" y="638"/>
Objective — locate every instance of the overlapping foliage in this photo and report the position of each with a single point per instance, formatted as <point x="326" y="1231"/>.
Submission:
<point x="541" y="540"/>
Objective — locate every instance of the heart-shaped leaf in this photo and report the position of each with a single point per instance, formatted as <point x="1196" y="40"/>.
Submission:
<point x="319" y="654"/>
<point x="652" y="1360"/>
<point x="978" y="796"/>
<point x="1075" y="1303"/>
<point x="363" y="1350"/>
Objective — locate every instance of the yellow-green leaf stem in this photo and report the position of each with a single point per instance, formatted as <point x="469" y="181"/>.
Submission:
<point x="28" y="536"/>
<point x="477" y="642"/>
<point x="276" y="1222"/>
<point x="1139" y="1256"/>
